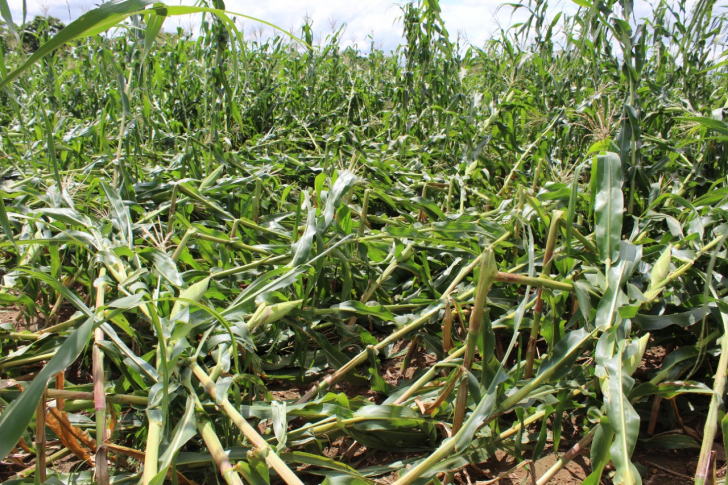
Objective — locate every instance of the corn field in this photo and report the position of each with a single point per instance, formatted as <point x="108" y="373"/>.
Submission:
<point x="221" y="257"/>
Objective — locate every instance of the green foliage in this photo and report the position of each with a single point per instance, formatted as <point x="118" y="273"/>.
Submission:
<point x="39" y="31"/>
<point x="226" y="236"/>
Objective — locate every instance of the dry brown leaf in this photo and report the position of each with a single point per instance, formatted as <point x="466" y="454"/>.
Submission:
<point x="72" y="438"/>
<point x="24" y="446"/>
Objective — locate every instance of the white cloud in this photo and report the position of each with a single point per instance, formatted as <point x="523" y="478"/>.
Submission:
<point x="375" y="18"/>
<point x="476" y="20"/>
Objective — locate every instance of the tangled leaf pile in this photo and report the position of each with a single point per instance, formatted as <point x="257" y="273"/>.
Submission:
<point x="277" y="262"/>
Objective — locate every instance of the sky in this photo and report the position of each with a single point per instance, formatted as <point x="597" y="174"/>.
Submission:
<point x="473" y="21"/>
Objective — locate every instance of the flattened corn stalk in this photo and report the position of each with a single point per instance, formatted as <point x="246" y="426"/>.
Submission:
<point x="248" y="431"/>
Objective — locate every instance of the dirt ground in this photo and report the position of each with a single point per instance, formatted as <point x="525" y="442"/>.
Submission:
<point x="662" y="468"/>
<point x="7" y="314"/>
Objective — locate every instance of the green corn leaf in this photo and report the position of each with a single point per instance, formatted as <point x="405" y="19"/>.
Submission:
<point x="571" y="212"/>
<point x="624" y="421"/>
<point x="599" y="453"/>
<point x="154" y="24"/>
<point x="254" y="470"/>
<point x="360" y="309"/>
<point x="608" y="206"/>
<point x="614" y="298"/>
<point x="303" y="458"/>
<point x="563" y="354"/>
<point x="5" y="12"/>
<point x="68" y="216"/>
<point x="344" y="182"/>
<point x="280" y="423"/>
<point x="668" y="390"/>
<point x="658" y="322"/>
<point x="119" y="213"/>
<point x="5" y="223"/>
<point x="302" y="248"/>
<point x="709" y="123"/>
<point x="184" y="430"/>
